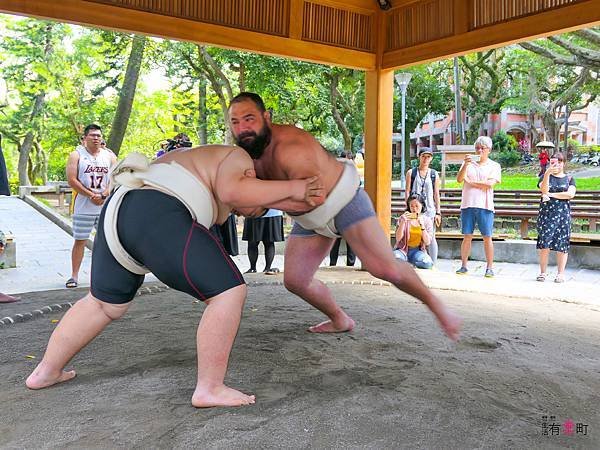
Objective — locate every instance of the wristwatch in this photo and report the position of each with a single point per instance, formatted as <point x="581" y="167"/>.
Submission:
<point x="103" y="197"/>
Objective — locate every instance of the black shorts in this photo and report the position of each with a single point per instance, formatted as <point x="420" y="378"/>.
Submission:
<point x="158" y="231"/>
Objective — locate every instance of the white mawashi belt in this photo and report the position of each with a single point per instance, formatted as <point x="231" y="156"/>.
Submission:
<point x="135" y="172"/>
<point x="322" y="218"/>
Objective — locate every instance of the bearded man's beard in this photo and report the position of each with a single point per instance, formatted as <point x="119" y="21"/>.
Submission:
<point x="255" y="147"/>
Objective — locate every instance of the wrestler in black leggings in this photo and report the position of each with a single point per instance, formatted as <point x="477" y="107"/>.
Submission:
<point x="159" y="232"/>
<point x="253" y="254"/>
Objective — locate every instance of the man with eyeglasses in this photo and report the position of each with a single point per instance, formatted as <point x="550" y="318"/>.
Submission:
<point x="87" y="173"/>
<point x="479" y="174"/>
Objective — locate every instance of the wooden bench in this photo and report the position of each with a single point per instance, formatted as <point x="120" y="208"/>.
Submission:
<point x="476" y="236"/>
<point x="519" y="204"/>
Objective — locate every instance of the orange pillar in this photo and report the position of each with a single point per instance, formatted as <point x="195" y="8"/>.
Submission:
<point x="379" y="103"/>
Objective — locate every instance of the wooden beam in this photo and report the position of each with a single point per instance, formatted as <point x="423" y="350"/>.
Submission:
<point x="401" y="3"/>
<point x="462" y="16"/>
<point x="359" y="6"/>
<point x="559" y="20"/>
<point x="296" y="18"/>
<point x="379" y="101"/>
<point x="130" y="20"/>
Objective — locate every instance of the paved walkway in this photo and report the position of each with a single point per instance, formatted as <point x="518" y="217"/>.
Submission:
<point x="43" y="250"/>
<point x="43" y="260"/>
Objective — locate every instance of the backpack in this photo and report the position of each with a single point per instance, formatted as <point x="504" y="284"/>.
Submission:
<point x="413" y="177"/>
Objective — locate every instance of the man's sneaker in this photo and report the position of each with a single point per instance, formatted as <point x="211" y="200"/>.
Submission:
<point x="489" y="273"/>
<point x="462" y="271"/>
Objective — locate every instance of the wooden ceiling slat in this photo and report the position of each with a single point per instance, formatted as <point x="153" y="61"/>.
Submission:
<point x="419" y="22"/>
<point x="567" y="15"/>
<point x="339" y="32"/>
<point x="328" y="25"/>
<point x="489" y="12"/>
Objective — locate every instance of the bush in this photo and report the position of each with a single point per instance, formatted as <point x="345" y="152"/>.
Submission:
<point x="436" y="162"/>
<point x="572" y="145"/>
<point x="57" y="169"/>
<point x="13" y="184"/>
<point x="508" y="158"/>
<point x="502" y="142"/>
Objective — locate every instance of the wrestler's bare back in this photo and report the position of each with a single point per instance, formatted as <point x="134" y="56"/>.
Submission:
<point x="204" y="163"/>
<point x="294" y="154"/>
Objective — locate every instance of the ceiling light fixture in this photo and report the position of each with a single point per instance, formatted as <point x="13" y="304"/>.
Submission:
<point x="384" y="4"/>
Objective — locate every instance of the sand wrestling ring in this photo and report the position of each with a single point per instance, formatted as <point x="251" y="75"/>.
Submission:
<point x="525" y="375"/>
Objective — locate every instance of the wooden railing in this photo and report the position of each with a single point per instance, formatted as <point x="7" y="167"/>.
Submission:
<point x="58" y="190"/>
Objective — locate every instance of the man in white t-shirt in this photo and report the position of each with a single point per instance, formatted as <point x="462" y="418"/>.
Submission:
<point x="87" y="173"/>
<point x="479" y="175"/>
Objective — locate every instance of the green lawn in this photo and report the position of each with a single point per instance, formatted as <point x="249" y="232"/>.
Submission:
<point x="529" y="182"/>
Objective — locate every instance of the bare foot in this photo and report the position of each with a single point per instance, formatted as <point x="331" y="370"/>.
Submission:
<point x="220" y="396"/>
<point x="338" y="326"/>
<point x="451" y="324"/>
<point x="40" y="380"/>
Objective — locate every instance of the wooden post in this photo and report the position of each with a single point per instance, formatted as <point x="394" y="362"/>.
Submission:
<point x="524" y="228"/>
<point x="443" y="170"/>
<point x="379" y="94"/>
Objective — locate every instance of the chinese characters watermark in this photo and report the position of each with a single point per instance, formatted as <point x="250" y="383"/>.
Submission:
<point x="552" y="427"/>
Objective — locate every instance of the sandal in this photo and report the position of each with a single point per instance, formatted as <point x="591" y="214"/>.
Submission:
<point x="272" y="271"/>
<point x="71" y="283"/>
<point x="541" y="277"/>
<point x="559" y="279"/>
<point x="5" y="298"/>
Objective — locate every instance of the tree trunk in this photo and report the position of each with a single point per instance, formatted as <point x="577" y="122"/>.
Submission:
<point x="202" y="112"/>
<point x="337" y="117"/>
<point x="38" y="164"/>
<point x="25" y="147"/>
<point x="127" y="94"/>
<point x="533" y="135"/>
<point x="483" y="90"/>
<point x="220" y="85"/>
<point x="24" y="159"/>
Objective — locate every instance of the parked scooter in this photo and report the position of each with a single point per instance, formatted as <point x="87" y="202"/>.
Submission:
<point x="581" y="158"/>
<point x="526" y="159"/>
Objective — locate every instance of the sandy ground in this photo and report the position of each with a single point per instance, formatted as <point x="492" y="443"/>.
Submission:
<point x="394" y="382"/>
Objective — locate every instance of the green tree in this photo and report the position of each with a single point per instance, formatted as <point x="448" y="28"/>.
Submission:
<point x="485" y="76"/>
<point x="427" y="93"/>
<point x="32" y="59"/>
<point x="127" y="94"/>
<point x="562" y="71"/>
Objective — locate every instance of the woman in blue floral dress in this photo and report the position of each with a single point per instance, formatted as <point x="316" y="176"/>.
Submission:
<point x="554" y="220"/>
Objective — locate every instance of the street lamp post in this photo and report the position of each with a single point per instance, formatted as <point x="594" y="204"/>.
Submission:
<point x="403" y="78"/>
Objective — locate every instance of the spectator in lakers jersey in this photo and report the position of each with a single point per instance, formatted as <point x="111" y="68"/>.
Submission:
<point x="87" y="174"/>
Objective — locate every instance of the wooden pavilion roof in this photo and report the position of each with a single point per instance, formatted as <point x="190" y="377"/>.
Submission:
<point x="350" y="33"/>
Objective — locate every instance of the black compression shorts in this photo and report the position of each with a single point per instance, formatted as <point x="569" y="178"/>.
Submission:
<point x="158" y="231"/>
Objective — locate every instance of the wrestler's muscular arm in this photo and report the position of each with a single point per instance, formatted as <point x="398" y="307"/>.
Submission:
<point x="296" y="161"/>
<point x="234" y="188"/>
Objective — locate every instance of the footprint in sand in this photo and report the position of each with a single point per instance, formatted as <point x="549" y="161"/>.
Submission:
<point x="480" y="344"/>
